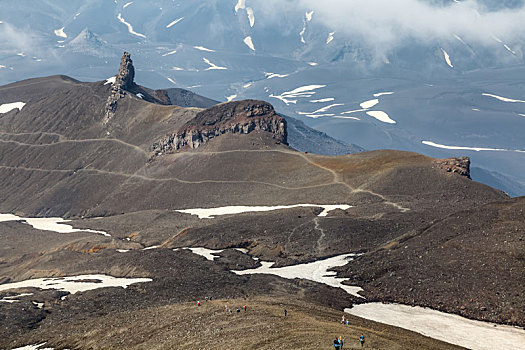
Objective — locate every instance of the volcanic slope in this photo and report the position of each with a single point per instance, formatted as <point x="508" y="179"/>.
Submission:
<point x="128" y="168"/>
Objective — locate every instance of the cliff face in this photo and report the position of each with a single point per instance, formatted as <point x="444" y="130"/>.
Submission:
<point x="240" y="117"/>
<point x="460" y="165"/>
<point x="123" y="81"/>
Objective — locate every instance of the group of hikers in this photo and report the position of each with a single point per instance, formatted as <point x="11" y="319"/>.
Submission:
<point x="339" y="342"/>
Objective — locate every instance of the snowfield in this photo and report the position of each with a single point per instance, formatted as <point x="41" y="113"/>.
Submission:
<point x="49" y="224"/>
<point x="453" y="329"/>
<point x="210" y="213"/>
<point x="75" y="284"/>
<point x="7" y="107"/>
<point x="381" y="116"/>
<point x="248" y="41"/>
<point x="316" y="271"/>
<point x="504" y="99"/>
<point x="60" y="32"/>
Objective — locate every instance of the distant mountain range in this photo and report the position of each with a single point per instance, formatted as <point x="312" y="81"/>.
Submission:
<point x="443" y="89"/>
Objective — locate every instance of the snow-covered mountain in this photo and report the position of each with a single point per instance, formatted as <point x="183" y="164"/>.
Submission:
<point x="443" y="78"/>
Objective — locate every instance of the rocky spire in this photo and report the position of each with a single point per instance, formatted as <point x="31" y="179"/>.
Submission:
<point x="126" y="72"/>
<point x="123" y="81"/>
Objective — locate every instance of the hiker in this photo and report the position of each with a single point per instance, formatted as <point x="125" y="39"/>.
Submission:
<point x="362" y="340"/>
<point x="343" y="319"/>
<point x="285" y="312"/>
<point x="238" y="310"/>
<point x="337" y="345"/>
<point x="244" y="308"/>
<point x="198" y="303"/>
<point x="341" y="342"/>
<point x="226" y="307"/>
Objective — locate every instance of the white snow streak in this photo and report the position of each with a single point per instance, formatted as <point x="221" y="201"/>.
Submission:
<point x="379" y="94"/>
<point x="369" y="104"/>
<point x="202" y="48"/>
<point x="251" y="16"/>
<point x="504" y="99"/>
<point x="169" y="53"/>
<point x="447" y="58"/>
<point x="330" y="38"/>
<point x="381" y="116"/>
<point x="329" y="99"/>
<point x="209" y="213"/>
<point x="212" y="66"/>
<point x="275" y="75"/>
<point x="477" y="149"/>
<point x="174" y="22"/>
<point x="248" y="41"/>
<point x="300" y="92"/>
<point x="171" y="80"/>
<point x="130" y="27"/>
<point x="127" y="4"/>
<point x="7" y="107"/>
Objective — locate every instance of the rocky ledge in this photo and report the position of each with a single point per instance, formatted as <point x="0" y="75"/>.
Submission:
<point x="460" y="165"/>
<point x="239" y="117"/>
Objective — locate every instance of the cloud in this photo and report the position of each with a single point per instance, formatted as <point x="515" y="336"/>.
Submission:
<point x="387" y="24"/>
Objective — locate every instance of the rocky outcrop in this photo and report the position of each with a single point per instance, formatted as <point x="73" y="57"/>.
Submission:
<point x="240" y="117"/>
<point x="460" y="165"/>
<point x="123" y="81"/>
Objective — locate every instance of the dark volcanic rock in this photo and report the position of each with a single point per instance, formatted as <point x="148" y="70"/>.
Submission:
<point x="460" y="165"/>
<point x="123" y="81"/>
<point x="241" y="117"/>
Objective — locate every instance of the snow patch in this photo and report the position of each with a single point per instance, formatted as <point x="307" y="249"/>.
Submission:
<point x="248" y="41"/>
<point x="309" y="16"/>
<point x="111" y="80"/>
<point x="212" y="66"/>
<point x="439" y="325"/>
<point x="7" y="107"/>
<point x="504" y="99"/>
<point x="127" y="4"/>
<point x="321" y="110"/>
<point x="447" y="58"/>
<point x="251" y="16"/>
<point x="275" y="75"/>
<point x="210" y="213"/>
<point x="381" y="116"/>
<point x="169" y="53"/>
<point x="317" y="271"/>
<point x="209" y="254"/>
<point x="303" y="91"/>
<point x="60" y="32"/>
<point x="139" y="95"/>
<point x="130" y="27"/>
<point x="171" y="24"/>
<point x="33" y="347"/>
<point x="202" y="48"/>
<point x="313" y="64"/>
<point x="330" y="38"/>
<point x="14" y="298"/>
<point x="477" y="149"/>
<point x="171" y="80"/>
<point x="329" y="99"/>
<point x="49" y="224"/>
<point x="230" y="98"/>
<point x="369" y="104"/>
<point x="75" y="284"/>
<point x="241" y="5"/>
<point x="176" y="68"/>
<point x="379" y="94"/>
